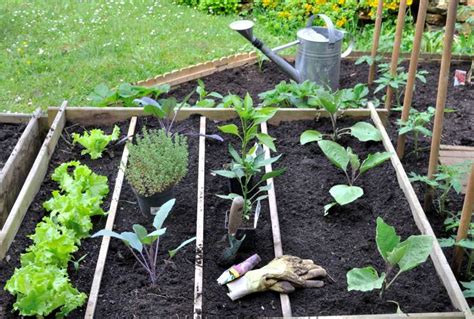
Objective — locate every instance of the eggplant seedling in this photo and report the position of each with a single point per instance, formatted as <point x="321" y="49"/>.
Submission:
<point x="143" y="245"/>
<point x="333" y="103"/>
<point x="405" y="255"/>
<point x="341" y="158"/>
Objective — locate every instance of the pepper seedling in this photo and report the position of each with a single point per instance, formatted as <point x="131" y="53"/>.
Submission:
<point x="341" y="158"/>
<point x="405" y="255"/>
<point x="246" y="165"/>
<point x="147" y="244"/>
<point x="333" y="103"/>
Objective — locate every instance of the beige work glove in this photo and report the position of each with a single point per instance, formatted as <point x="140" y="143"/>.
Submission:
<point x="282" y="274"/>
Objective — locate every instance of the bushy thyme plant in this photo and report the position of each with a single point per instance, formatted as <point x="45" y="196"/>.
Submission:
<point x="157" y="161"/>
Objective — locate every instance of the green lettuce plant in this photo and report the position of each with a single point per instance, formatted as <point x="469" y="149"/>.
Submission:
<point x="404" y="255"/>
<point x="41" y="284"/>
<point x="349" y="162"/>
<point x="249" y="161"/>
<point x="144" y="246"/>
<point x="95" y="141"/>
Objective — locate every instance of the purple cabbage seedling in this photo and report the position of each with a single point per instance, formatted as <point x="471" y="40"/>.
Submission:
<point x="143" y="245"/>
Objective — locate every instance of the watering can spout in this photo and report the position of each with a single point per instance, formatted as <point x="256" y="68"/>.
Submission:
<point x="245" y="28"/>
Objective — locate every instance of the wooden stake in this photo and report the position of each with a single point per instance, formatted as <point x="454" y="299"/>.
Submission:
<point x="415" y="53"/>
<point x="465" y="222"/>
<point x="396" y="50"/>
<point x="375" y="44"/>
<point x="441" y="98"/>
<point x="198" y="273"/>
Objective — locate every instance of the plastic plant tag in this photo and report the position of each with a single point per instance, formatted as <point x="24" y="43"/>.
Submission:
<point x="238" y="270"/>
<point x="459" y="77"/>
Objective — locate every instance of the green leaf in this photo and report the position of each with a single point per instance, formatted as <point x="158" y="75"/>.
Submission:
<point x="234" y="154"/>
<point x="224" y="173"/>
<point x="140" y="231"/>
<point x="417" y="251"/>
<point x="310" y="136"/>
<point x="273" y="174"/>
<point x="173" y="252"/>
<point x="364" y="279"/>
<point x="231" y="196"/>
<point x="327" y="207"/>
<point x="466" y="243"/>
<point x="446" y="242"/>
<point x="345" y="194"/>
<point x="156" y="233"/>
<point x="374" y="160"/>
<point x="469" y="289"/>
<point x="364" y="132"/>
<point x="266" y="140"/>
<point x="335" y="153"/>
<point x="229" y="129"/>
<point x="386" y="238"/>
<point x="132" y="240"/>
<point x="163" y="213"/>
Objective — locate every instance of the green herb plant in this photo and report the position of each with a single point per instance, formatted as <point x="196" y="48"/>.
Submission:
<point x="404" y="255"/>
<point x="341" y="157"/>
<point x="417" y="124"/>
<point x="95" y="141"/>
<point x="249" y="161"/>
<point x="41" y="285"/>
<point x="124" y="94"/>
<point x="157" y="161"/>
<point x="144" y="246"/>
<point x="448" y="178"/>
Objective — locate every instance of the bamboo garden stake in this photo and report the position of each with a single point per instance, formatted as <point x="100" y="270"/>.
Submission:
<point x="441" y="98"/>
<point x="375" y="44"/>
<point x="465" y="222"/>
<point x="415" y="53"/>
<point x="396" y="50"/>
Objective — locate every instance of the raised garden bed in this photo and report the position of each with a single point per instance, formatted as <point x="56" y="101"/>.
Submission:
<point x="20" y="140"/>
<point x="57" y="149"/>
<point x="209" y="302"/>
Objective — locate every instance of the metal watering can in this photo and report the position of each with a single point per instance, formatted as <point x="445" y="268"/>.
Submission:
<point x="319" y="51"/>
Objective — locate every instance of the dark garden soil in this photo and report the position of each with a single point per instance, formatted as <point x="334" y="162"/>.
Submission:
<point x="9" y="136"/>
<point x="346" y="237"/>
<point x="82" y="279"/>
<point x="126" y="291"/>
<point x="216" y="304"/>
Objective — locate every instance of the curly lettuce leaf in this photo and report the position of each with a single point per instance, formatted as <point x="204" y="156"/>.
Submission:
<point x="95" y="141"/>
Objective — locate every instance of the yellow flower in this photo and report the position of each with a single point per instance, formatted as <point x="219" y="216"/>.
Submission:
<point x="341" y="2"/>
<point x="284" y="14"/>
<point x="392" y="6"/>
<point x="321" y="1"/>
<point x="409" y="2"/>
<point x="335" y="8"/>
<point x="341" y="22"/>
<point x="266" y="3"/>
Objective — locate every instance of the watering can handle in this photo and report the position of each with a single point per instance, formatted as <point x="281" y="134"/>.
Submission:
<point x="329" y="24"/>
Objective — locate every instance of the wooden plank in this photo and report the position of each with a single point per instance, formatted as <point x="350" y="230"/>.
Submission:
<point x="439" y="260"/>
<point x="433" y="315"/>
<point x="104" y="247"/>
<point x="456" y="148"/>
<point x="456" y="154"/>
<point x="18" y="165"/>
<point x="426" y="57"/>
<point x="467" y="155"/>
<point x="32" y="183"/>
<point x="94" y="115"/>
<point x="198" y="275"/>
<point x="15" y="118"/>
<point x="277" y="244"/>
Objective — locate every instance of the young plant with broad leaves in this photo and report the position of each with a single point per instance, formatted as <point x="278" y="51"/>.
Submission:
<point x="248" y="162"/>
<point x="125" y="94"/>
<point x="417" y="124"/>
<point x="448" y="178"/>
<point x="144" y="246"/>
<point x="332" y="103"/>
<point x="166" y="111"/>
<point x="404" y="255"/>
<point x="349" y="162"/>
<point x="95" y="141"/>
<point x="206" y="99"/>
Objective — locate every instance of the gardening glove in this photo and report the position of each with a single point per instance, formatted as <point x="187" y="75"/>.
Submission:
<point x="282" y="274"/>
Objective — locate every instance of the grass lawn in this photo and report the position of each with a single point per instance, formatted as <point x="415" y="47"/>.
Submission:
<point x="53" y="50"/>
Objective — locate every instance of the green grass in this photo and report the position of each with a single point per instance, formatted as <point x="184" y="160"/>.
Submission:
<point x="60" y="50"/>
